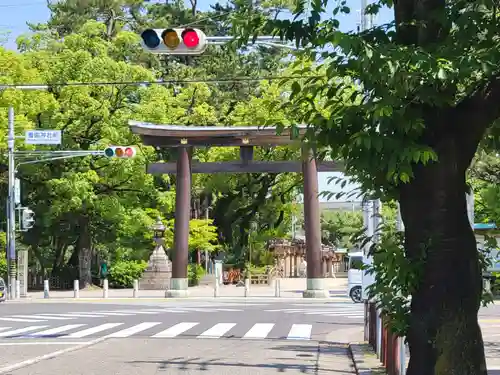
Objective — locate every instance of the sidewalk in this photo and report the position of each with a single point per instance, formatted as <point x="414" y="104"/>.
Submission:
<point x="290" y="289"/>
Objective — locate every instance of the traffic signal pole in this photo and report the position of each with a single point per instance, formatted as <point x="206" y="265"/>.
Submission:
<point x="11" y="216"/>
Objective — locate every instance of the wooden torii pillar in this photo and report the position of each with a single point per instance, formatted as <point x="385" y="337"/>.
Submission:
<point x="185" y="138"/>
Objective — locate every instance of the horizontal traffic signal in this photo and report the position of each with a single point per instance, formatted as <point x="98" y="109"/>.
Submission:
<point x="120" y="152"/>
<point x="174" y="41"/>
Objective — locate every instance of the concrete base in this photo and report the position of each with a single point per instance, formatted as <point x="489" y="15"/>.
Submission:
<point x="315" y="293"/>
<point x="316" y="289"/>
<point x="172" y="293"/>
<point x="178" y="288"/>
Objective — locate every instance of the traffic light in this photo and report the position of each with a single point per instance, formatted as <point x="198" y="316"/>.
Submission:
<point x="28" y="220"/>
<point x="120" y="152"/>
<point x="174" y="41"/>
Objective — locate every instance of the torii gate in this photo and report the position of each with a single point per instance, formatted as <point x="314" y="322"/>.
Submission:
<point x="185" y="138"/>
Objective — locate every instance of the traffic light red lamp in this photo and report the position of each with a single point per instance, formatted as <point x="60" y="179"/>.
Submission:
<point x="175" y="41"/>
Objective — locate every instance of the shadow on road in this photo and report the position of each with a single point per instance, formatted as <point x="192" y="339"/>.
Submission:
<point x="307" y="360"/>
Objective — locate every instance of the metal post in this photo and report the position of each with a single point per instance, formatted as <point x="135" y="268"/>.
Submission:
<point x="76" y="289"/>
<point x="247" y="287"/>
<point x="216" y="284"/>
<point x="277" y="291"/>
<point x="11" y="218"/>
<point x="105" y="289"/>
<point x="136" y="288"/>
<point x="206" y="251"/>
<point x="378" y="336"/>
<point x="45" y="288"/>
<point x="402" y="356"/>
<point x="18" y="289"/>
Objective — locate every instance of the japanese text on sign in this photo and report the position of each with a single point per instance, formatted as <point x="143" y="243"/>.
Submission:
<point x="43" y="137"/>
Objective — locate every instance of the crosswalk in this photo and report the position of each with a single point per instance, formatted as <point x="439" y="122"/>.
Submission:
<point x="162" y="330"/>
<point x="45" y="317"/>
<point x="349" y="311"/>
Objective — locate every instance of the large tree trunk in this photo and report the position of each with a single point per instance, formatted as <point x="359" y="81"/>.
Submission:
<point x="444" y="335"/>
<point x="85" y="253"/>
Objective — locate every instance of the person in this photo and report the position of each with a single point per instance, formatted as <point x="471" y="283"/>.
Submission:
<point x="103" y="271"/>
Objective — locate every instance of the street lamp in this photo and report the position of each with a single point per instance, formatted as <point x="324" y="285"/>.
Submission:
<point x="158" y="230"/>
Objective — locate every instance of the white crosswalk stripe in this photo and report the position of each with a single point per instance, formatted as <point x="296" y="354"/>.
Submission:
<point x="54" y="331"/>
<point x="44" y="317"/>
<point x="159" y="330"/>
<point x="300" y="332"/>
<point x="341" y="310"/>
<point x="176" y="330"/>
<point x="133" y="330"/>
<point x="93" y="330"/>
<point x="217" y="330"/>
<point x="259" y="331"/>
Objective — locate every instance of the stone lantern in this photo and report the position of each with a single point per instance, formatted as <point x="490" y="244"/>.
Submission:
<point x="159" y="271"/>
<point x="158" y="230"/>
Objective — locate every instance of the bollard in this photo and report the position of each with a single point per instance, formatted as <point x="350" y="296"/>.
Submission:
<point x="136" y="288"/>
<point x="105" y="289"/>
<point x="45" y="288"/>
<point x="247" y="287"/>
<point x="277" y="288"/>
<point x="216" y="288"/>
<point x="76" y="289"/>
<point x="18" y="289"/>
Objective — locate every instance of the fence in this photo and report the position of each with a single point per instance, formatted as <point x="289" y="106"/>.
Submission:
<point x="390" y="349"/>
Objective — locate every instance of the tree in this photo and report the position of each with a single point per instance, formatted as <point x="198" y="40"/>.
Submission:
<point x="202" y="235"/>
<point x="338" y="227"/>
<point x="406" y="105"/>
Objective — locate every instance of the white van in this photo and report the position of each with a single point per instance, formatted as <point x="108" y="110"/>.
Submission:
<point x="355" y="276"/>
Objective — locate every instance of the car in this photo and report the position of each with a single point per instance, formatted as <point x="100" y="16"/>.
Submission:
<point x="355" y="277"/>
<point x="3" y="290"/>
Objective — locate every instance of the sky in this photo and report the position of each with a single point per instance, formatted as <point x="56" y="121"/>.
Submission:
<point x="15" y="14"/>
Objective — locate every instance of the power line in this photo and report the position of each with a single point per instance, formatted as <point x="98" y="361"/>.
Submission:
<point x="42" y="86"/>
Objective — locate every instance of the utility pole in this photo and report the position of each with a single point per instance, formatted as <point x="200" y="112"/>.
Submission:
<point x="11" y="217"/>
<point x="206" y="251"/>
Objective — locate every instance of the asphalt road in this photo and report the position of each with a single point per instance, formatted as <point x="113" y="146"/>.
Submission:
<point x="191" y="337"/>
<point x="144" y="331"/>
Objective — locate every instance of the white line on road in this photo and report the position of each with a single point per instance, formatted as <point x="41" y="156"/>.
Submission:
<point x="22" y="320"/>
<point x="217" y="330"/>
<point x="20" y="330"/>
<point x="259" y="331"/>
<point x="79" y="315"/>
<point x="54" y="331"/>
<point x="175" y="330"/>
<point x="110" y="313"/>
<point x="31" y="361"/>
<point x="137" y="312"/>
<point x="300" y="332"/>
<point x="133" y="330"/>
<point x="24" y="343"/>
<point x="44" y="317"/>
<point x="334" y="313"/>
<point x="93" y="330"/>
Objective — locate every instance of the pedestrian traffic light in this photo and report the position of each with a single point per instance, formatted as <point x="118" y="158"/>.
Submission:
<point x="120" y="152"/>
<point x="174" y="41"/>
<point x="28" y="220"/>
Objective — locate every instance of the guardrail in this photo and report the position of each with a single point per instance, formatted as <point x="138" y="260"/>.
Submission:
<point x="390" y="349"/>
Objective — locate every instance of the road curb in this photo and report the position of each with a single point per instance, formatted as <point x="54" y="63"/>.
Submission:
<point x="163" y="299"/>
<point x="365" y="360"/>
<point x="32" y="361"/>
